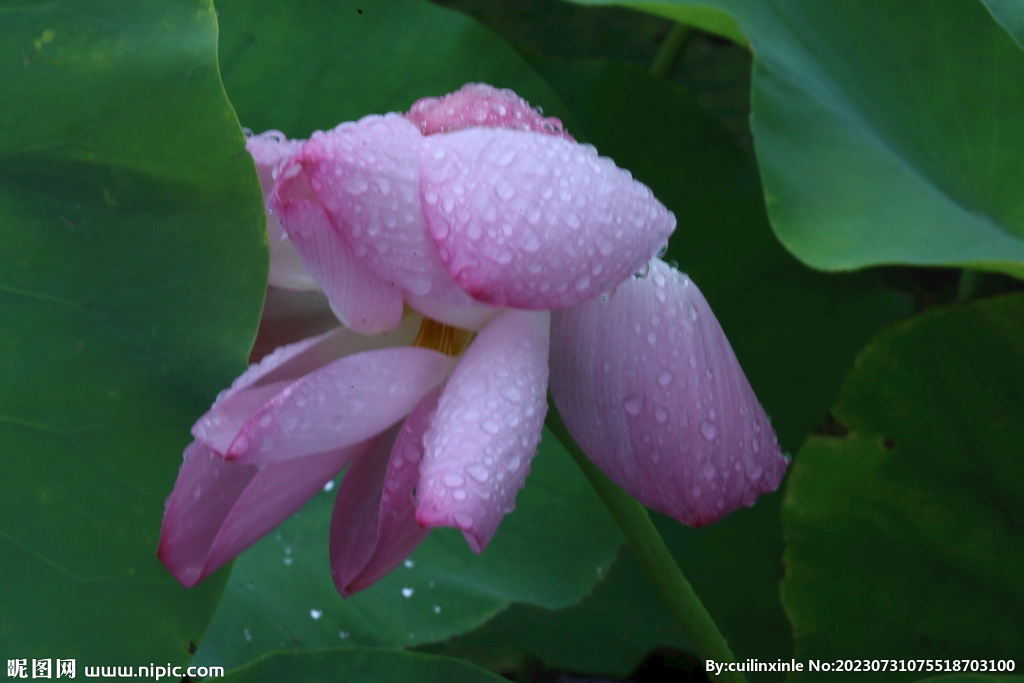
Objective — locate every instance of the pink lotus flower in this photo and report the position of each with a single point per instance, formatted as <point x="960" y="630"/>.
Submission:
<point x="466" y="247"/>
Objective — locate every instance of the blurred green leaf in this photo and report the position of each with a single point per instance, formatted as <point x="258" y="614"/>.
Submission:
<point x="903" y="538"/>
<point x="1010" y="15"/>
<point x="887" y="132"/>
<point x="312" y="64"/>
<point x="362" y="664"/>
<point x="710" y="19"/>
<point x="609" y="632"/>
<point x="550" y="552"/>
<point x="130" y="290"/>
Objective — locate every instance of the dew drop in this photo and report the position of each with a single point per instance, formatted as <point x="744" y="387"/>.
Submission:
<point x="241" y="444"/>
<point x="315" y="613"/>
<point x="755" y="444"/>
<point x="409" y="564"/>
<point x="708" y="430"/>
<point x="478" y="472"/>
<point x="407" y="592"/>
<point x="708" y="471"/>
<point x="660" y="415"/>
<point x="355" y="185"/>
<point x="512" y="394"/>
<point x="633" y="403"/>
<point x="665" y="378"/>
<point x="453" y="479"/>
<point x="343" y="635"/>
<point x="437" y="609"/>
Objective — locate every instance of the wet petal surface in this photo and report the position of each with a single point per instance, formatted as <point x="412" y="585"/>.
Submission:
<point x="374" y="526"/>
<point x="262" y="381"/>
<point x="487" y="427"/>
<point x="361" y="299"/>
<point x="534" y="221"/>
<point x="268" y="150"/>
<point x="366" y="175"/>
<point x="219" y="507"/>
<point x="649" y="387"/>
<point x="479" y="104"/>
<point x="343" y="403"/>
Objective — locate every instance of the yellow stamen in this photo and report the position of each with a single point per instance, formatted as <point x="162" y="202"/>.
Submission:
<point x="446" y="339"/>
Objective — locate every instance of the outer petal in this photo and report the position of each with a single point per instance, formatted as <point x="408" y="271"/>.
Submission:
<point x="374" y="524"/>
<point x="361" y="299"/>
<point x="533" y="221"/>
<point x="366" y="174"/>
<point x="268" y="150"/>
<point x="263" y="381"/>
<point x="487" y="427"/>
<point x="218" y="507"/>
<point x="650" y="389"/>
<point x="343" y="403"/>
<point x="479" y="104"/>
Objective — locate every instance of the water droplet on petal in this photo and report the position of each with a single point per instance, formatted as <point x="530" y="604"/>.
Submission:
<point x="633" y="403"/>
<point x="453" y="479"/>
<point x="478" y="472"/>
<point x="665" y="378"/>
<point x="708" y="430"/>
<point x="355" y="185"/>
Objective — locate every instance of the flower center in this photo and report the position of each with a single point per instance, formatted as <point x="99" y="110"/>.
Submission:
<point x="446" y="339"/>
